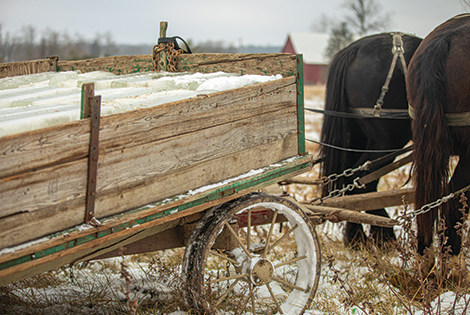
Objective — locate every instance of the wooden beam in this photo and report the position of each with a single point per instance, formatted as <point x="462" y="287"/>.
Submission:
<point x="371" y="201"/>
<point x="11" y="69"/>
<point x="338" y="214"/>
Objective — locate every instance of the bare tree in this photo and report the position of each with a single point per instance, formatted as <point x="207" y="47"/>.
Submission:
<point x="322" y="25"/>
<point x="7" y="46"/>
<point x="214" y="46"/>
<point x="50" y="44"/>
<point x="364" y="16"/>
<point x="340" y="38"/>
<point x="109" y="46"/>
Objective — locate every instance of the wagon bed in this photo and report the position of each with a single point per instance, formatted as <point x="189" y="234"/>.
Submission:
<point x="165" y="157"/>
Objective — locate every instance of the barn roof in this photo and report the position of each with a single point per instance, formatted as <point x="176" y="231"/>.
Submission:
<point x="311" y="46"/>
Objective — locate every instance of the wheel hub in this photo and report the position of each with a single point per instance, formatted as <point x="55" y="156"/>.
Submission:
<point x="262" y="272"/>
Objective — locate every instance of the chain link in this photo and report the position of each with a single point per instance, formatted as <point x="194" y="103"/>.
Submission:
<point x="171" y="54"/>
<point x="339" y="192"/>
<point x="428" y="207"/>
<point x="326" y="180"/>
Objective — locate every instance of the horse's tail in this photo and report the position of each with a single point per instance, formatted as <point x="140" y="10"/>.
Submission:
<point x="334" y="130"/>
<point x="431" y="134"/>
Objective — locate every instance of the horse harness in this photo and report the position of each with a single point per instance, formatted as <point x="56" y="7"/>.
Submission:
<point x="398" y="52"/>
<point x="453" y="119"/>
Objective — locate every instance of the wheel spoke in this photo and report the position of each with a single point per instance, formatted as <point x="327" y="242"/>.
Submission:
<point x="234" y="262"/>
<point x="238" y="277"/>
<point x="269" y="234"/>
<point x="248" y="231"/>
<point x="288" y="284"/>
<point x="282" y="238"/>
<point x="274" y="298"/>
<point x="227" y="292"/>
<point x="238" y="239"/>
<point x="290" y="261"/>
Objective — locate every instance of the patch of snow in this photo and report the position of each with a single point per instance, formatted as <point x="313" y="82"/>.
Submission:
<point x="40" y="100"/>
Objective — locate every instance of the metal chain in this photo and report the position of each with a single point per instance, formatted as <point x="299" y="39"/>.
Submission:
<point x="428" y="207"/>
<point x="339" y="192"/>
<point x="172" y="56"/>
<point x="346" y="173"/>
<point x="326" y="180"/>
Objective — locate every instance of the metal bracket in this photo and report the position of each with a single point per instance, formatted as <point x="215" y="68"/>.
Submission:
<point x="91" y="108"/>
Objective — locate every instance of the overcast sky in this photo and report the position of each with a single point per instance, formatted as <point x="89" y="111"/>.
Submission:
<point x="258" y="22"/>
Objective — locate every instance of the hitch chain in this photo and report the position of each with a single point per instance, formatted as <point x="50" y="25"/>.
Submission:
<point x="326" y="180"/>
<point x="172" y="56"/>
<point x="428" y="207"/>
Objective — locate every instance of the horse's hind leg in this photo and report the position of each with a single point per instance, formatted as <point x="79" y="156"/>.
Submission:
<point x="456" y="270"/>
<point x="354" y="234"/>
<point x="381" y="235"/>
<point x="453" y="212"/>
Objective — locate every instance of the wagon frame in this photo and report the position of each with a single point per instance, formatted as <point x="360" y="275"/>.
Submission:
<point x="64" y="204"/>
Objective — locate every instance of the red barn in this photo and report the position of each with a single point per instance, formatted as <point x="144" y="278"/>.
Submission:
<point x="311" y="46"/>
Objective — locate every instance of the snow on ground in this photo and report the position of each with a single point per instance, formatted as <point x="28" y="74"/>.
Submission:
<point x="39" y="100"/>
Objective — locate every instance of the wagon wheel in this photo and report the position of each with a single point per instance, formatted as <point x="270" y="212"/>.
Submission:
<point x="248" y="276"/>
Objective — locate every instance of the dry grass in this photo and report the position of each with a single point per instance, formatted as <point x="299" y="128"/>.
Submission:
<point x="365" y="281"/>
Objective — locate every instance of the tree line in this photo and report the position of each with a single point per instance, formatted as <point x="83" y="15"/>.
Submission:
<point x="30" y="44"/>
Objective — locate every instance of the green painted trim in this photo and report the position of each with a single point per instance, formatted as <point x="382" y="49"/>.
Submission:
<point x="300" y="104"/>
<point x="269" y="177"/>
<point x="82" y="103"/>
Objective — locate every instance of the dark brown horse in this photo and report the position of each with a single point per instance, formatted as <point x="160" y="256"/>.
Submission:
<point x="438" y="87"/>
<point x="356" y="78"/>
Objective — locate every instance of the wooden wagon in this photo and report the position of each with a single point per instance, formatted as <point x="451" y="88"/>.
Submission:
<point x="185" y="173"/>
<point x="177" y="174"/>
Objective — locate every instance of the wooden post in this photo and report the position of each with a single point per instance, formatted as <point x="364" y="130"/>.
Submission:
<point x="163" y="62"/>
<point x="88" y="92"/>
<point x="53" y="63"/>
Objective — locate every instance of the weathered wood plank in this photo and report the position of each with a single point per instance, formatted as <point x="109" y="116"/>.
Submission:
<point x="115" y="64"/>
<point x="55" y="261"/>
<point x="263" y="64"/>
<point x="351" y="216"/>
<point x="27" y="67"/>
<point x="143" y="174"/>
<point x="371" y="201"/>
<point x="68" y="142"/>
<point x="76" y="253"/>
